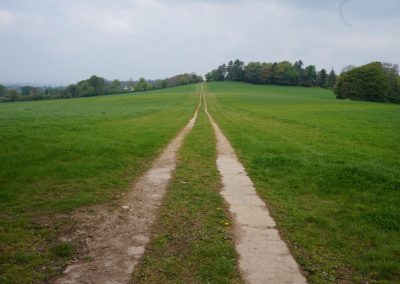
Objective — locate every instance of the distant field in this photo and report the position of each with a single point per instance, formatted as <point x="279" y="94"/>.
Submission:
<point x="58" y="155"/>
<point x="329" y="170"/>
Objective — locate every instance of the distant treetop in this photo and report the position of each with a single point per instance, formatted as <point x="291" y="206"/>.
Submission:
<point x="279" y="73"/>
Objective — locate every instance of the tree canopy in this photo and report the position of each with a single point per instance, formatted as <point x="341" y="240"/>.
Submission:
<point x="376" y="81"/>
<point x="94" y="86"/>
<point x="279" y="73"/>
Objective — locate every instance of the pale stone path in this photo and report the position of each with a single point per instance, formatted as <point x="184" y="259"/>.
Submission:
<point x="117" y="240"/>
<point x="263" y="255"/>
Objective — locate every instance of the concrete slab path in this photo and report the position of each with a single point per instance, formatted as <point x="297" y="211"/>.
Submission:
<point x="263" y="255"/>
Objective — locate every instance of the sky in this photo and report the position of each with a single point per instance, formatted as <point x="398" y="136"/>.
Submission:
<point x="64" y="41"/>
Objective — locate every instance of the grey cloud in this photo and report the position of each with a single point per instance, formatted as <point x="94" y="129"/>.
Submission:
<point x="65" y="41"/>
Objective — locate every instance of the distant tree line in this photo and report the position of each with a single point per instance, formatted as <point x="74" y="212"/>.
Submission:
<point x="376" y="81"/>
<point x="94" y="86"/>
<point x="279" y="73"/>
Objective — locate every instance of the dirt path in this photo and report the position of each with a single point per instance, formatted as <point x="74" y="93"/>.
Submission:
<point x="118" y="241"/>
<point x="263" y="255"/>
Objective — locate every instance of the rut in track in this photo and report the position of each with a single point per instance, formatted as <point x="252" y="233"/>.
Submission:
<point x="263" y="255"/>
<point x="118" y="241"/>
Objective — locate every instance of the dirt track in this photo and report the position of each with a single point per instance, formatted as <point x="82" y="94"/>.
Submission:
<point x="116" y="243"/>
<point x="117" y="240"/>
<point x="263" y="255"/>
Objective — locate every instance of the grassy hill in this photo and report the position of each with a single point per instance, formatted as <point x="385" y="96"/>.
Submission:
<point x="59" y="155"/>
<point x="329" y="170"/>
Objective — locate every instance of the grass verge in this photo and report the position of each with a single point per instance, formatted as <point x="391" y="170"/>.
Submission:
<point x="59" y="155"/>
<point x="329" y="171"/>
<point x="192" y="241"/>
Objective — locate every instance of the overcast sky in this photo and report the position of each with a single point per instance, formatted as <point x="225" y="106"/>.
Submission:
<point x="64" y="41"/>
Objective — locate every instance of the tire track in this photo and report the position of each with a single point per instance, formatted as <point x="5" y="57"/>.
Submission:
<point x="118" y="241"/>
<point x="263" y="255"/>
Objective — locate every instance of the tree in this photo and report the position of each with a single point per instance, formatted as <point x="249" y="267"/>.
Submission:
<point x="266" y="73"/>
<point x="310" y="76"/>
<point x="71" y="91"/>
<point x="115" y="86"/>
<point x="322" y="78"/>
<point x="12" y="95"/>
<point x="392" y="73"/>
<point x="141" y="85"/>
<point x="370" y="82"/>
<point x="98" y="84"/>
<point x="299" y="72"/>
<point x="3" y="91"/>
<point x="253" y="72"/>
<point x="25" y="91"/>
<point x="210" y="76"/>
<point x="218" y="74"/>
<point x="221" y="73"/>
<point x="274" y="75"/>
<point x="235" y="70"/>
<point x="283" y="74"/>
<point x="85" y="89"/>
<point x="332" y="79"/>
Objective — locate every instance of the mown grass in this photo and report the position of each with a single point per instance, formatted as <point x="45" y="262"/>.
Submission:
<point x="329" y="170"/>
<point x="56" y="156"/>
<point x="192" y="242"/>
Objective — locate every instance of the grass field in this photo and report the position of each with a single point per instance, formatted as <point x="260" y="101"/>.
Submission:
<point x="192" y="240"/>
<point x="56" y="156"/>
<point x="329" y="170"/>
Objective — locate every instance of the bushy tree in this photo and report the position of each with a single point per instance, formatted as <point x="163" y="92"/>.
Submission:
<point x="98" y="83"/>
<point x="266" y="73"/>
<point x="141" y="85"/>
<point x="253" y="72"/>
<point x="371" y="82"/>
<point x="85" y="89"/>
<point x="283" y="73"/>
<point x="235" y="71"/>
<point x="12" y="95"/>
<point x="218" y="74"/>
<point x="114" y="86"/>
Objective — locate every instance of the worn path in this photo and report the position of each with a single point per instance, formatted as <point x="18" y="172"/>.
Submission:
<point x="118" y="241"/>
<point x="263" y="255"/>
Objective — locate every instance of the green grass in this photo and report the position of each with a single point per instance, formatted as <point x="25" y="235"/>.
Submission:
<point x="58" y="155"/>
<point x="192" y="242"/>
<point x="329" y="170"/>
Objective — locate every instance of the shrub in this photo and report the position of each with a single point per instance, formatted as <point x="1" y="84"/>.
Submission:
<point x="371" y="82"/>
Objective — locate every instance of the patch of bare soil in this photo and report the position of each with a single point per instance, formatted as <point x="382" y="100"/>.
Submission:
<point x="113" y="242"/>
<point x="263" y="255"/>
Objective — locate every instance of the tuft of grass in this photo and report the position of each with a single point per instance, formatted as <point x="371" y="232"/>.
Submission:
<point x="63" y="249"/>
<point x="59" y="155"/>
<point x="192" y="241"/>
<point x="329" y="171"/>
